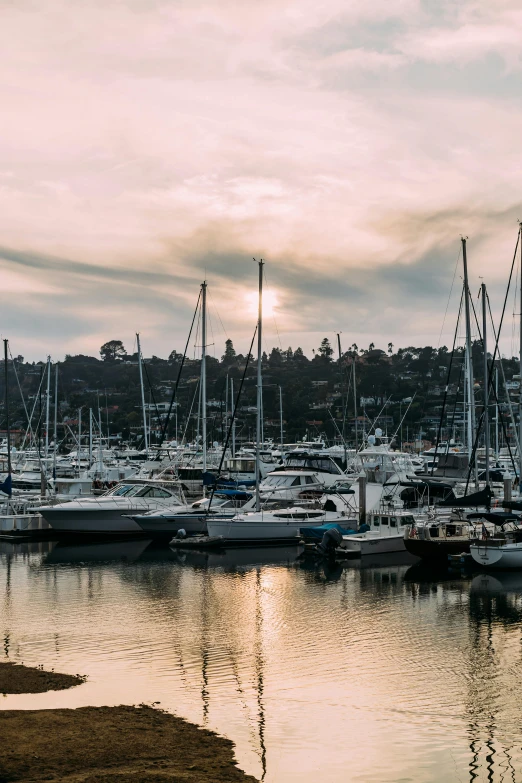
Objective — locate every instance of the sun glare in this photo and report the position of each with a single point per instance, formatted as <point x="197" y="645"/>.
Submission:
<point x="270" y="302"/>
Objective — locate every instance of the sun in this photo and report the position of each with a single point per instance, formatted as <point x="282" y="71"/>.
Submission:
<point x="270" y="302"/>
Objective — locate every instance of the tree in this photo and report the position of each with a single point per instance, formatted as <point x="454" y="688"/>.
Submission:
<point x="175" y="357"/>
<point x="326" y="350"/>
<point x="390" y="348"/>
<point x="371" y="347"/>
<point x="112" y="351"/>
<point x="275" y="359"/>
<point x="229" y="357"/>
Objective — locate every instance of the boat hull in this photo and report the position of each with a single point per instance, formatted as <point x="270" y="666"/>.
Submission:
<point x="159" y="526"/>
<point x="378" y="545"/>
<point x="436" y="550"/>
<point x="99" y="521"/>
<point x="240" y="531"/>
<point x="497" y="556"/>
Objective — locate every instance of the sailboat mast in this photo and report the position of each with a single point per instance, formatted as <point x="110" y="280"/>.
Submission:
<point x="79" y="441"/>
<point x="204" y="372"/>
<point x="259" y="382"/>
<point x="233" y="417"/>
<point x="6" y="403"/>
<point x="520" y="372"/>
<point x="90" y="438"/>
<point x="469" y="359"/>
<point x="144" y="412"/>
<point x="55" y="418"/>
<point x="354" y="401"/>
<point x="486" y="383"/>
<point x="281" y="416"/>
<point x="496" y="414"/>
<point x="342" y="397"/>
<point x="47" y="403"/>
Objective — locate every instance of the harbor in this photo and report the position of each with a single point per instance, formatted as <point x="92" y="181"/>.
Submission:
<point x="310" y="668"/>
<point x="260" y="392"/>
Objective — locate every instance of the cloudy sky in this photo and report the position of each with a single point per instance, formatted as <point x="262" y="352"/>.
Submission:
<point x="146" y="144"/>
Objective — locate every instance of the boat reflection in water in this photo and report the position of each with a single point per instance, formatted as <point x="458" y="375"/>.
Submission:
<point x="312" y="668"/>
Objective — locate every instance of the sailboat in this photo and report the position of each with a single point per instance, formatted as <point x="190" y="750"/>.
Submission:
<point x="439" y="537"/>
<point x="281" y="526"/>
<point x="17" y="520"/>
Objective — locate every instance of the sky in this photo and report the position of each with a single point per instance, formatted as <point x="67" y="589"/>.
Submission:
<point x="146" y="145"/>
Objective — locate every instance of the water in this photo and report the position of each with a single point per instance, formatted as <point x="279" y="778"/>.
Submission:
<point x="367" y="673"/>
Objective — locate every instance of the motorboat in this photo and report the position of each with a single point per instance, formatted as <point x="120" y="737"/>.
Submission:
<point x="191" y="518"/>
<point x="385" y="534"/>
<point x="111" y="512"/>
<point x="302" y="474"/>
<point x="280" y="526"/>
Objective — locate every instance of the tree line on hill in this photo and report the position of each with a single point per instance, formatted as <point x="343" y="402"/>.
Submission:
<point x="403" y="386"/>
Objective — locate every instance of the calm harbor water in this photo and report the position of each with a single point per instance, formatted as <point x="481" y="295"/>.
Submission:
<point x="365" y="672"/>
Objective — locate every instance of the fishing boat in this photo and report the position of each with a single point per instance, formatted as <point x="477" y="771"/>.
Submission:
<point x="385" y="534"/>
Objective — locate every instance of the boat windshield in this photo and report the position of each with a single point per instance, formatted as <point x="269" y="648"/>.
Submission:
<point x="122" y="490"/>
<point x="279" y="481"/>
<point x="304" y="462"/>
<point x="243" y="465"/>
<point x="139" y="491"/>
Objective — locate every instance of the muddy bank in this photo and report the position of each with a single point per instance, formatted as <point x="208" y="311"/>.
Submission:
<point x="104" y="744"/>
<point x="16" y="678"/>
<point x="112" y="745"/>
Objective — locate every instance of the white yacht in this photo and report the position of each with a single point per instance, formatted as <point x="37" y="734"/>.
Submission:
<point x="111" y="512"/>
<point x="278" y="526"/>
<point x="192" y="518"/>
<point x="302" y="473"/>
<point x="339" y="506"/>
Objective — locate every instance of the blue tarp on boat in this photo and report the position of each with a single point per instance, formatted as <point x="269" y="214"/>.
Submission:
<point x="317" y="532"/>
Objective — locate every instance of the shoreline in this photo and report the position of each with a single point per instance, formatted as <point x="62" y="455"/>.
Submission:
<point x="105" y="744"/>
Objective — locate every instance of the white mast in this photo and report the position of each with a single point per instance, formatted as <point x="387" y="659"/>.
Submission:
<point x="496" y="413"/>
<point x="100" y="445"/>
<point x="55" y="418"/>
<point x="47" y="403"/>
<point x="234" y="418"/>
<point x="79" y="441"/>
<point x="142" y="397"/>
<point x="204" y="373"/>
<point x="354" y="401"/>
<point x="520" y="372"/>
<point x="90" y="438"/>
<point x="469" y="360"/>
<point x="486" y="384"/>
<point x="281" y="417"/>
<point x="259" y="383"/>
